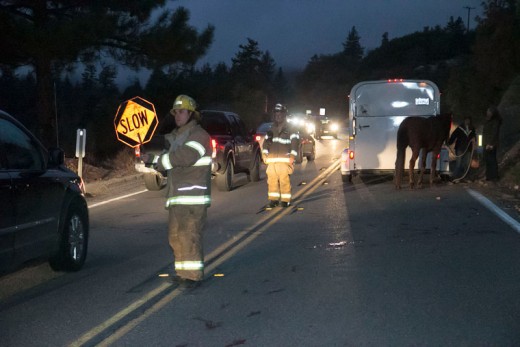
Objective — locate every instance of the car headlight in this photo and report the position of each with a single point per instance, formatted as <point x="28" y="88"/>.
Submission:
<point x="334" y="127"/>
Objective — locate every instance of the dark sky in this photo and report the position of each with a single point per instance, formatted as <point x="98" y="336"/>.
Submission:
<point x="294" y="30"/>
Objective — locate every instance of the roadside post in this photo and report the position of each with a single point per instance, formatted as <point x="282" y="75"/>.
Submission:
<point x="81" y="135"/>
<point x="81" y="140"/>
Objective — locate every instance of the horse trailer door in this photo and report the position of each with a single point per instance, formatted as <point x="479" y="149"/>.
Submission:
<point x="377" y="108"/>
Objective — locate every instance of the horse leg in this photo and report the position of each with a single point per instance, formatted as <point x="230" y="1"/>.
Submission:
<point x="411" y="166"/>
<point x="422" y="168"/>
<point x="399" y="167"/>
<point x="433" y="167"/>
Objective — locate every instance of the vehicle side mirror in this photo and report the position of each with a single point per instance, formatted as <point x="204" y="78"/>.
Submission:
<point x="56" y="157"/>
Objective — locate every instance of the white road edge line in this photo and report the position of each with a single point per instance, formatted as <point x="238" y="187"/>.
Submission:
<point x="115" y="199"/>
<point x="495" y="209"/>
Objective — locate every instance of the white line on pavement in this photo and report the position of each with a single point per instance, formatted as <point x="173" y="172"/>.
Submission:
<point x="115" y="199"/>
<point x="496" y="210"/>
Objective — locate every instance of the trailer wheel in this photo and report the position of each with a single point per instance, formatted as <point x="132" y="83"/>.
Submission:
<point x="346" y="178"/>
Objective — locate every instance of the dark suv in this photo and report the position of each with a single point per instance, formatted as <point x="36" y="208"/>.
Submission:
<point x="43" y="213"/>
<point x="234" y="150"/>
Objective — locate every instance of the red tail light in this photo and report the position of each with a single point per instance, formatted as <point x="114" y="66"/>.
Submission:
<point x="258" y="138"/>
<point x="214" y="148"/>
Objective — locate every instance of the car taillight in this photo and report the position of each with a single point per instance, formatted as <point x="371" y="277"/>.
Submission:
<point x="214" y="148"/>
<point x="258" y="138"/>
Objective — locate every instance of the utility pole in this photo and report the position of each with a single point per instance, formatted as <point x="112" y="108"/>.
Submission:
<point x="469" y="11"/>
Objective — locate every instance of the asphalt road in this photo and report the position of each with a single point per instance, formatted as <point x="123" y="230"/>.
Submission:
<point x="347" y="265"/>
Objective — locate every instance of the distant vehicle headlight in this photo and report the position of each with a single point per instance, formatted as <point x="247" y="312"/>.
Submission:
<point x="310" y="127"/>
<point x="334" y="127"/>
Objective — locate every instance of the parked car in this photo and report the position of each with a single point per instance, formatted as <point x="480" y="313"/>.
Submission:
<point x="234" y="150"/>
<point x="44" y="214"/>
<point x="306" y="146"/>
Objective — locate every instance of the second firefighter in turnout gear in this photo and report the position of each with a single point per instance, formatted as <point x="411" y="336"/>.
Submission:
<point x="187" y="161"/>
<point x="280" y="150"/>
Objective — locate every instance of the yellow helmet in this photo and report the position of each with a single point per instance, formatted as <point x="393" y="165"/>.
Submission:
<point x="184" y="102"/>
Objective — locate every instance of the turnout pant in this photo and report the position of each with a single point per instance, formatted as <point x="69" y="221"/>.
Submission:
<point x="279" y="182"/>
<point x="185" y="224"/>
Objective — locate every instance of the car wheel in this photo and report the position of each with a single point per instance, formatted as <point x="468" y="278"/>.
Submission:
<point x="299" y="157"/>
<point x="72" y="241"/>
<point x="154" y="181"/>
<point x="312" y="156"/>
<point x="225" y="179"/>
<point x="254" y="171"/>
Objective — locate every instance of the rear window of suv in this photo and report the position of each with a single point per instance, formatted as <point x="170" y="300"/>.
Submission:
<point x="215" y="123"/>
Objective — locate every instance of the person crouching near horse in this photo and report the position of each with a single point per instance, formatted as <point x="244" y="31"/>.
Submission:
<point x="279" y="153"/>
<point x="464" y="137"/>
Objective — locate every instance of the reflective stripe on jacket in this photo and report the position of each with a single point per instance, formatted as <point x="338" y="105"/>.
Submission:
<point x="188" y="164"/>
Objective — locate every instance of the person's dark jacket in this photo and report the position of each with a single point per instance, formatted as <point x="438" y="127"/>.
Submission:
<point x="490" y="133"/>
<point x="462" y="138"/>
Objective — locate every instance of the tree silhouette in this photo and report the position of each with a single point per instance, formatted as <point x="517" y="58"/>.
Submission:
<point x="49" y="35"/>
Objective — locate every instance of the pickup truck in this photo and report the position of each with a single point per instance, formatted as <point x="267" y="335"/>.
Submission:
<point x="234" y="150"/>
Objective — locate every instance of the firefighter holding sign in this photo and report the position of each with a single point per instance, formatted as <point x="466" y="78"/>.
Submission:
<point x="279" y="152"/>
<point x="187" y="161"/>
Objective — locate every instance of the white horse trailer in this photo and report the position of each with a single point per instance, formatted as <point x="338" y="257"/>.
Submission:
<point x="376" y="109"/>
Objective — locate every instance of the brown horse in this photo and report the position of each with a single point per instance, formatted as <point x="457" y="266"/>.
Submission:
<point x="426" y="133"/>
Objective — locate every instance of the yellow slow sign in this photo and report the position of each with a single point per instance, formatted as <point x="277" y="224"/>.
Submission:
<point x="135" y="121"/>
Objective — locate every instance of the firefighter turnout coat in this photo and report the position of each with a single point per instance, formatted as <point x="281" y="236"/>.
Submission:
<point x="188" y="165"/>
<point x="279" y="148"/>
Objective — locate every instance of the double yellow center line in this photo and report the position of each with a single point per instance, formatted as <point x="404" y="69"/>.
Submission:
<point x="214" y="259"/>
